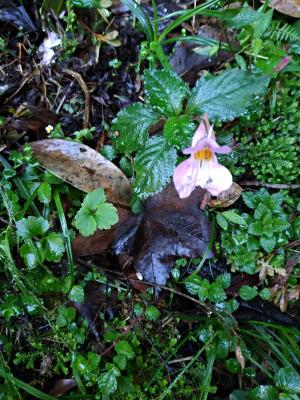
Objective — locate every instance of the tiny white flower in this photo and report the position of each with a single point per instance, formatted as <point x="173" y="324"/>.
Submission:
<point x="49" y="128"/>
<point x="139" y="276"/>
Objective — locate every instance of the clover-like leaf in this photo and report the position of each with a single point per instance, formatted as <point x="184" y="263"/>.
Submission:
<point x="95" y="213"/>
<point x="32" y="226"/>
<point x="226" y="96"/>
<point x="54" y="247"/>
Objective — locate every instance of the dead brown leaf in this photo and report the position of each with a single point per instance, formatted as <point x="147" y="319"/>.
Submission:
<point x="228" y="197"/>
<point x="287" y="7"/>
<point x="239" y="356"/>
<point x="82" y="167"/>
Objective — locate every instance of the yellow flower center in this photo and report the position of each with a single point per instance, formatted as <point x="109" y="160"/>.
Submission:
<point x="203" y="155"/>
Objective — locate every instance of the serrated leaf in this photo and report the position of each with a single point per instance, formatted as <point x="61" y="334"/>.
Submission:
<point x="263" y="393"/>
<point x="232" y="216"/>
<point x="106" y="216"/>
<point x="288" y="380"/>
<point x="154" y="165"/>
<point x="247" y="292"/>
<point x="267" y="244"/>
<point x="165" y="91"/>
<point x="246" y="16"/>
<point x="132" y="124"/>
<point x="32" y="226"/>
<point x="94" y="199"/>
<point x="216" y="293"/>
<point x="107" y="381"/>
<point x="54" y="248"/>
<point x="85" y="222"/>
<point x="226" y="96"/>
<point x="261" y="211"/>
<point x="224" y="280"/>
<point x="256" y="228"/>
<point x="44" y="193"/>
<point x="279" y="225"/>
<point x="249" y="199"/>
<point x="125" y="349"/>
<point x="179" y="131"/>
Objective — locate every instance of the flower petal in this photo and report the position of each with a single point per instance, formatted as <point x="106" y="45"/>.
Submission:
<point x="211" y="144"/>
<point x="214" y="177"/>
<point x="185" y="176"/>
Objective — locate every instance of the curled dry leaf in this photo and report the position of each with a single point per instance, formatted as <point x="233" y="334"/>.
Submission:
<point x="82" y="167"/>
<point x="227" y="198"/>
<point x="288" y="7"/>
<point x="239" y="356"/>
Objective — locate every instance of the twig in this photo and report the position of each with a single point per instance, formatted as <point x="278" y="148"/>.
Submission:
<point x="82" y="84"/>
<point x="271" y="185"/>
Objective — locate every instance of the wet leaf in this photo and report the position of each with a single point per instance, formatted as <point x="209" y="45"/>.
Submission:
<point x="168" y="228"/>
<point x="83" y="167"/>
<point x="288" y="7"/>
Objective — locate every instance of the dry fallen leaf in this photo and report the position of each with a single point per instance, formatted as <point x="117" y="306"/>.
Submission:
<point x="288" y="7"/>
<point x="228" y="197"/>
<point x="240" y="357"/>
<point x="82" y="167"/>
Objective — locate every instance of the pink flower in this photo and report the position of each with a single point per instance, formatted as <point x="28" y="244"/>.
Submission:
<point x="202" y="168"/>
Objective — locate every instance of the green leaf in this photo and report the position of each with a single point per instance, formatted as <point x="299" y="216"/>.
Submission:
<point x="247" y="292"/>
<point x="216" y="293"/>
<point x="124" y="348"/>
<point x="85" y="222"/>
<point x="222" y="221"/>
<point x="226" y="96"/>
<point x="256" y="228"/>
<point x="224" y="280"/>
<point x="142" y="17"/>
<point x="263" y="393"/>
<point x="267" y="244"/>
<point x="44" y="193"/>
<point x="192" y="284"/>
<point x="165" y="91"/>
<point x="261" y="211"/>
<point x="65" y="316"/>
<point x="279" y="225"/>
<point x="107" y="381"/>
<point x="261" y="26"/>
<point x="179" y="131"/>
<point x="249" y="199"/>
<point x="56" y="5"/>
<point x="95" y="213"/>
<point x="232" y="216"/>
<point x="85" y="3"/>
<point x="288" y="380"/>
<point x="54" y="247"/>
<point x="108" y="152"/>
<point x="32" y="254"/>
<point x="245" y="17"/>
<point x="32" y="226"/>
<point x="154" y="165"/>
<point x="120" y="361"/>
<point x="132" y="124"/>
<point x="152" y="313"/>
<point x="77" y="294"/>
<point x="265" y="294"/>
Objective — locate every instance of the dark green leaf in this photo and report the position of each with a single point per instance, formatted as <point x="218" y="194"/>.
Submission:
<point x="249" y="199"/>
<point x="152" y="313"/>
<point x="32" y="254"/>
<point x="226" y="96"/>
<point x="125" y="349"/>
<point x="142" y="17"/>
<point x="107" y="381"/>
<point x="263" y="393"/>
<point x="179" y="131"/>
<point x="288" y="380"/>
<point x="232" y="216"/>
<point x="216" y="293"/>
<point x="245" y="17"/>
<point x="153" y="166"/>
<point x="267" y="244"/>
<point x="256" y="228"/>
<point x="261" y="211"/>
<point x="85" y="3"/>
<point x="165" y="91"/>
<point x="132" y="124"/>
<point x="56" y="5"/>
<point x="32" y="226"/>
<point x="224" y="280"/>
<point x="222" y="221"/>
<point x="54" y="248"/>
<point x="280" y="225"/>
<point x="44" y="193"/>
<point x="247" y="292"/>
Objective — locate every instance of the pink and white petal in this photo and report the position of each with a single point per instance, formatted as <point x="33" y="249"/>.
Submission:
<point x="184" y="177"/>
<point x="211" y="144"/>
<point x="200" y="133"/>
<point x="218" y="178"/>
